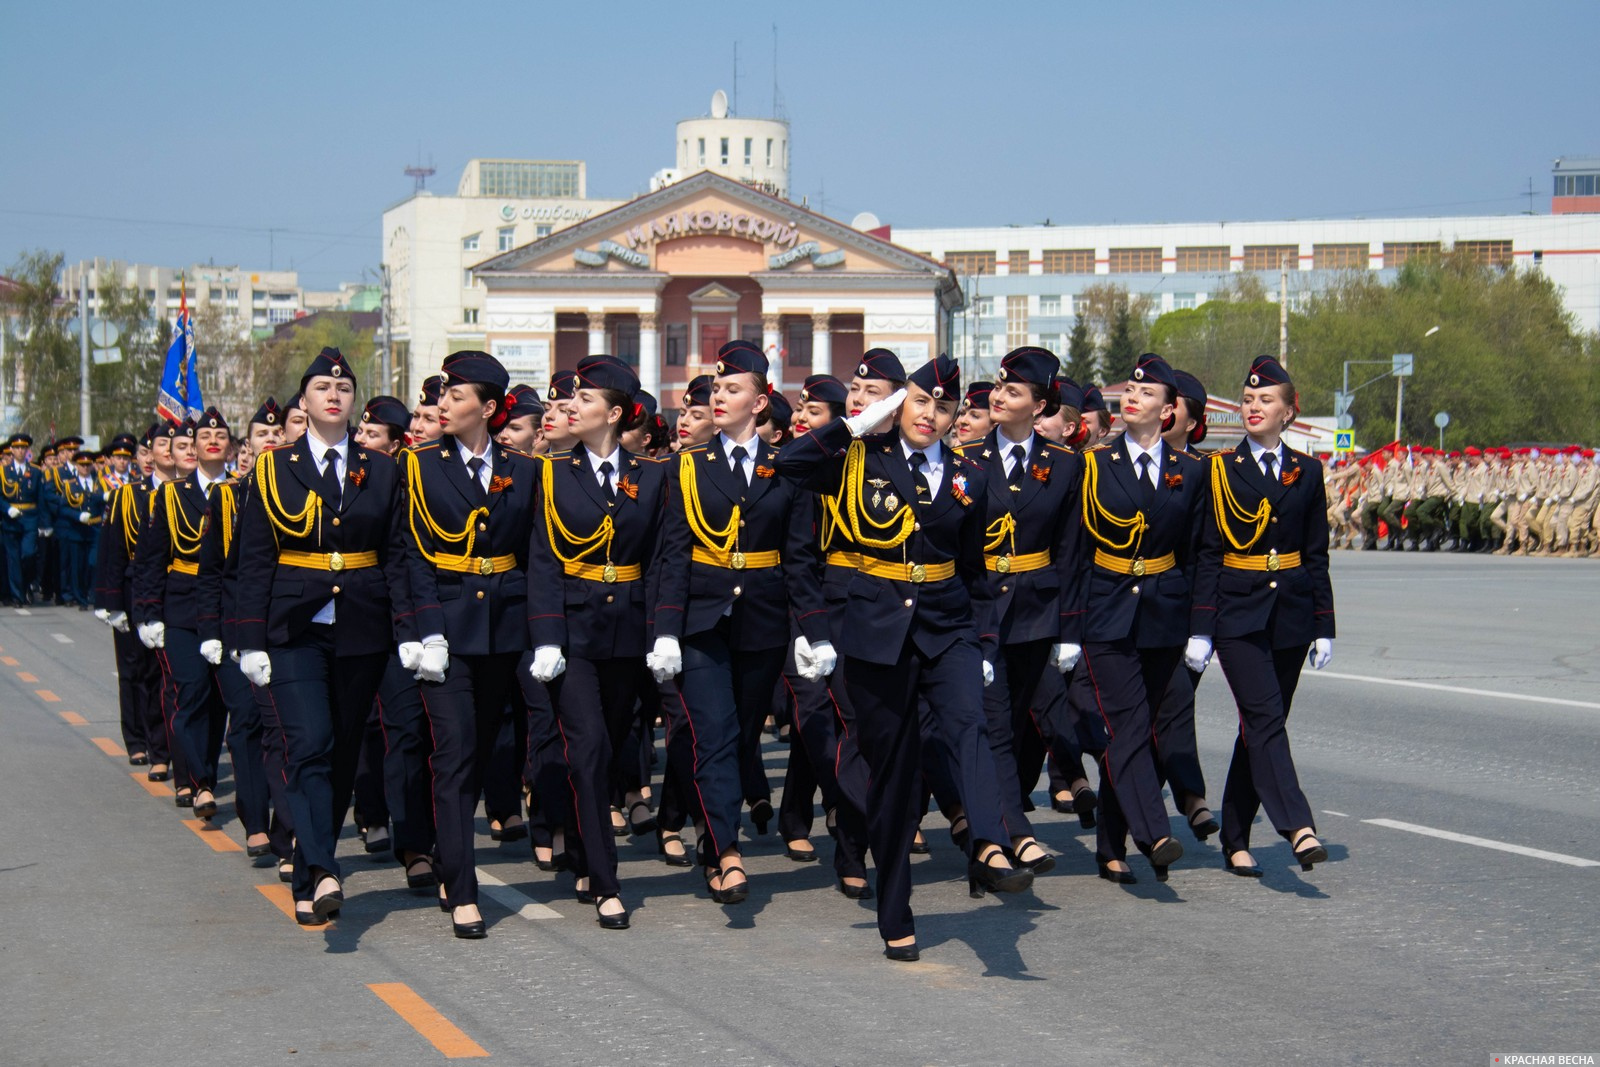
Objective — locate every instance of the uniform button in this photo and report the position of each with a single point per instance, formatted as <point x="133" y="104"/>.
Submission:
<point x="483" y="526"/>
<point x="480" y="594"/>
<point x="1005" y="589"/>
<point x="916" y="526"/>
<point x="1274" y="519"/>
<point x="738" y="589"/>
<point x="336" y="590"/>
<point x="1272" y="585"/>
<point x="609" y="599"/>
<point x="741" y="524"/>
<point x="336" y="520"/>
<point x="908" y="603"/>
<point x="1135" y="589"/>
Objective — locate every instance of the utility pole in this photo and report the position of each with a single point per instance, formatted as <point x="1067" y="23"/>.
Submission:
<point x="1399" y="402"/>
<point x="1283" y="312"/>
<point x="388" y="336"/>
<point x="83" y="356"/>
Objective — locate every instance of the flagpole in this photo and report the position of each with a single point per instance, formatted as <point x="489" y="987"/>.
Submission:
<point x="83" y="357"/>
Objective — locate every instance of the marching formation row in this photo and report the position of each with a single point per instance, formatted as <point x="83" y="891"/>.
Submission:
<point x="499" y="596"/>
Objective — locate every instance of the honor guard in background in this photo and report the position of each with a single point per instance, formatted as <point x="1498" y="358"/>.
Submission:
<point x="319" y="565"/>
<point x="1141" y="511"/>
<point x="1030" y="551"/>
<point x="19" y="521"/>
<point x="138" y="674"/>
<point x="83" y="509"/>
<point x="55" y="459"/>
<point x="1262" y="600"/>
<point x="919" y="623"/>
<point x="974" y="423"/>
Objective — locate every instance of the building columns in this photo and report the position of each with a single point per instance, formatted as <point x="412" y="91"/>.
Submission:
<point x="821" y="345"/>
<point x="597" y="333"/>
<point x="649" y="354"/>
<point x="772" y="345"/>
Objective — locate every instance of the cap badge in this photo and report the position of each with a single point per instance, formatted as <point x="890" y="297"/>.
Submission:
<point x="336" y="370"/>
<point x="722" y="368"/>
<point x="1255" y="379"/>
<point x="1138" y="374"/>
<point x="1002" y="374"/>
<point x="938" y="392"/>
<point x="861" y="371"/>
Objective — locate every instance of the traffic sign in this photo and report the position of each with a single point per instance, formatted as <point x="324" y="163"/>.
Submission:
<point x="1402" y="364"/>
<point x="1344" y="422"/>
<point x="1344" y="441"/>
<point x="1341" y="402"/>
<point x="1442" y="419"/>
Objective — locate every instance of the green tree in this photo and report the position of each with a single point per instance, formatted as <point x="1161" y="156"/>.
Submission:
<point x="125" y="392"/>
<point x="283" y="359"/>
<point x="1217" y="340"/>
<point x="1121" y="352"/>
<point x="1078" y="363"/>
<point x="1114" y="316"/>
<point x="41" y="366"/>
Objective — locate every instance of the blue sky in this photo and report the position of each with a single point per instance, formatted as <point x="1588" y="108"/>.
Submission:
<point x="118" y="119"/>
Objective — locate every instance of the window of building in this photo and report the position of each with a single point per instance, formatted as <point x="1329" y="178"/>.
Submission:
<point x="279" y="316"/>
<point x="971" y="262"/>
<point x="1203" y="258"/>
<point x="233" y="294"/>
<point x="1017" y="261"/>
<point x="214" y="293"/>
<point x="1489" y="253"/>
<point x="625" y="341"/>
<point x="983" y="307"/>
<point x="529" y="178"/>
<point x="1049" y="305"/>
<point x="1055" y="342"/>
<point x="749" y="150"/>
<point x="1340" y="257"/>
<point x="541" y="230"/>
<point x="797" y="340"/>
<point x="1182" y="300"/>
<point x="769" y="151"/>
<point x="150" y="296"/>
<point x="986" y="347"/>
<point x="1397" y="253"/>
<point x="1069" y="261"/>
<point x="505" y="238"/>
<point x="1135" y="261"/>
<point x="470" y="244"/>
<point x="174" y="293"/>
<point x="677" y="341"/>
<point x="467" y="278"/>
<point x="1271" y="257"/>
<point x="724" y="151"/>
<point x="1577" y="184"/>
<point x="702" y="151"/>
<point x="1016" y="321"/>
<point x="469" y="316"/>
<point x="750" y="331"/>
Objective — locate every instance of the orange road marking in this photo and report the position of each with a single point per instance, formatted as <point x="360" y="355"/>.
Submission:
<point x="155" y="789"/>
<point x="74" y="719"/>
<point x="426" y="1020"/>
<point x="109" y="747"/>
<point x="24" y="676"/>
<point x="282" y="898"/>
<point x="219" y="841"/>
<point x="47" y="696"/>
<point x="10" y="661"/>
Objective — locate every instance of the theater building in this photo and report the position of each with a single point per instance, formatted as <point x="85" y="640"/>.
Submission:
<point x="665" y="280"/>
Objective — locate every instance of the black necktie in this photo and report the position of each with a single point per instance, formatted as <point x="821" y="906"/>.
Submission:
<point x="331" y="486"/>
<point x="1018" y="461"/>
<point x="1147" y="489"/>
<point x="1268" y="461"/>
<point x="605" y="480"/>
<point x="739" y="456"/>
<point x="475" y="466"/>
<point x="919" y="463"/>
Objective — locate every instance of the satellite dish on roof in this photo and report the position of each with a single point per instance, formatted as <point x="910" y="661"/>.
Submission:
<point x="719" y="105"/>
<point x="865" y="221"/>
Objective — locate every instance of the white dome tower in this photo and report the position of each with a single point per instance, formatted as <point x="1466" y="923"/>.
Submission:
<point x="752" y="151"/>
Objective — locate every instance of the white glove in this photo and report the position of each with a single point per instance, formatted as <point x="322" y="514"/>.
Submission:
<point x="548" y="662"/>
<point x="1197" y="653"/>
<point x="211" y="651"/>
<point x="410" y="655"/>
<point x="875" y="413"/>
<point x="803" y="660"/>
<point x="47" y="533"/>
<point x="1064" y="657"/>
<point x="153" y="635"/>
<point x="824" y="659"/>
<point x="118" y="621"/>
<point x="84" y="517"/>
<point x="665" y="660"/>
<point x="1321" y="653"/>
<point x="988" y="674"/>
<point x="13" y="512"/>
<point x="256" y="667"/>
<point x="435" y="660"/>
<point x="234" y="655"/>
<point x="102" y="614"/>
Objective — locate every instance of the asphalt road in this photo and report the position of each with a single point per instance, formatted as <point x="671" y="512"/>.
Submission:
<point x="128" y="937"/>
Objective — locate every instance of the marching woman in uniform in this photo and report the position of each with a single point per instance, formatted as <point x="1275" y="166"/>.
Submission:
<point x="594" y="531"/>
<point x="319" y="561"/>
<point x="1141" y="510"/>
<point x="722" y="617"/>
<point x="917" y="625"/>
<point x="1030" y="556"/>
<point x="1267" y="599"/>
<point x="470" y="507"/>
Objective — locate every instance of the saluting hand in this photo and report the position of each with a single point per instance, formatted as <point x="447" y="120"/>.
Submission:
<point x="875" y="413"/>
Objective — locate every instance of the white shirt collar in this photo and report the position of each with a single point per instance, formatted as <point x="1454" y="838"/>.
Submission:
<point x="1256" y="452"/>
<point x="467" y="455"/>
<point x="752" y="447"/>
<point x="319" y="448"/>
<point x="1134" y="452"/>
<point x="615" y="459"/>
<point x="206" y="483"/>
<point x="933" y="452"/>
<point x="1006" y="445"/>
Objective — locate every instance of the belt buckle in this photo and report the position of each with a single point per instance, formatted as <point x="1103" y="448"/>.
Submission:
<point x="608" y="574"/>
<point x="1003" y="565"/>
<point x="485" y="566"/>
<point x="1138" y="568"/>
<point x="919" y="573"/>
<point x="736" y="561"/>
<point x="1272" y="560"/>
<point x="335" y="562"/>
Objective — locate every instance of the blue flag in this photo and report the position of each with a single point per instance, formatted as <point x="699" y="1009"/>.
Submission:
<point x="179" y="396"/>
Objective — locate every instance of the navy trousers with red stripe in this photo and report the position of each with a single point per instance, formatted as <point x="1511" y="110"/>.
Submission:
<point x="1262" y="774"/>
<point x="594" y="705"/>
<point x="1128" y="682"/>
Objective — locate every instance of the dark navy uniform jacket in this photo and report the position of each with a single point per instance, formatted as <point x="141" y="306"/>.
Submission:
<point x="1153" y="609"/>
<point x="883" y="613"/>
<point x="218" y="579"/>
<point x="1293" y="605"/>
<point x="1034" y="605"/>
<point x="21" y="491"/>
<point x="70" y="500"/>
<point x="479" y="614"/>
<point x="126" y="515"/>
<point x="695" y="595"/>
<point x="585" y="616"/>
<point x="275" y="602"/>
<point x="168" y="556"/>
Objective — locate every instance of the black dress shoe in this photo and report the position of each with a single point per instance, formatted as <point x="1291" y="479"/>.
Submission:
<point x="140" y="760"/>
<point x="1084" y="802"/>
<point x="159" y="774"/>
<point x="854" y="892"/>
<point x="982" y="877"/>
<point x="255" y="852"/>
<point x="800" y="855"/>
<point x="1203" y="823"/>
<point x="1063" y="805"/>
<point x="205" y="809"/>
<point x="377" y="840"/>
<point x="761" y="815"/>
<point x="902" y="953"/>
<point x="585" y="896"/>
<point x="509" y="833"/>
<point x="473" y="931"/>
<point x="1041" y="865"/>
<point x="421" y="874"/>
<point x="1119" y="877"/>
<point x="1166" y="853"/>
<point x="919" y="845"/>
<point x="672" y="859"/>
<point x="330" y="902"/>
<point x="309" y="918"/>
<point x="1243" y="870"/>
<point x="285" y="871"/>
<point x="609" y="922"/>
<point x="736" y="894"/>
<point x="639" y="826"/>
<point x="184" y="800"/>
<point x="1310" y="855"/>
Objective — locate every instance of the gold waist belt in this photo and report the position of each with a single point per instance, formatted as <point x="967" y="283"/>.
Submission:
<point x="1136" y="567"/>
<point x="484" y="565"/>
<point x="183" y="566"/>
<point x="845" y="559"/>
<point x="907" y="572"/>
<point x="1027" y="561"/>
<point x="608" y="573"/>
<point x="329" y="561"/>
<point x="1272" y="561"/>
<point x="736" y="561"/>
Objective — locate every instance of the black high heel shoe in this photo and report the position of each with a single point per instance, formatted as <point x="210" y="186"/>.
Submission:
<point x="732" y="894"/>
<point x="761" y="815"/>
<point x="1118" y="877"/>
<point x="1203" y="827"/>
<point x="1062" y="802"/>
<point x="854" y="892"/>
<point x="328" y="903"/>
<point x="672" y="859"/>
<point x="184" y="800"/>
<point x="476" y="930"/>
<point x="639" y="827"/>
<point x="902" y="953"/>
<point x="584" y="896"/>
<point x="1043" y="864"/>
<point x="1161" y="872"/>
<point x="204" y="809"/>
<point x="1166" y="852"/>
<point x="610" y="922"/>
<point x="1084" y="803"/>
<point x="420" y="873"/>
<point x="960" y="831"/>
<point x="981" y="876"/>
<point x="800" y="855"/>
<point x="1312" y="855"/>
<point x="1243" y="870"/>
<point x="309" y="918"/>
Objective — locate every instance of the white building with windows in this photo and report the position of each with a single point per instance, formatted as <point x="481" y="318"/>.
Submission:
<point x="254" y="301"/>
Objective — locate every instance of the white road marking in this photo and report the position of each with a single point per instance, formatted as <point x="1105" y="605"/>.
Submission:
<point x="516" y="902"/>
<point x="63" y="638"/>
<point x="1496" y="693"/>
<point x="24" y="611"/>
<point x="1329" y="811"/>
<point x="1484" y="842"/>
